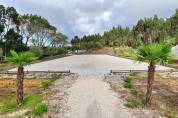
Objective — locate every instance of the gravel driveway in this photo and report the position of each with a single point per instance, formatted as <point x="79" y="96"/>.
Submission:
<point x="90" y="97"/>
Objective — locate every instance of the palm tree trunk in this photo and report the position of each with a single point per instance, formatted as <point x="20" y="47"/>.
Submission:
<point x="20" y="77"/>
<point x="150" y="81"/>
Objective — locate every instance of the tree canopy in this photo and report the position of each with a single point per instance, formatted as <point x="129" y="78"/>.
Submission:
<point x="146" y="30"/>
<point x="21" y="32"/>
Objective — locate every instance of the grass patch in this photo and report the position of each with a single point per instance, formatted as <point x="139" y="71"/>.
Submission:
<point x="29" y="102"/>
<point x="132" y="103"/>
<point x="32" y="101"/>
<point x="47" y="83"/>
<point x="137" y="96"/>
<point x="11" y="106"/>
<point x="173" y="116"/>
<point x="40" y="109"/>
<point x="55" y="77"/>
<point x="128" y="82"/>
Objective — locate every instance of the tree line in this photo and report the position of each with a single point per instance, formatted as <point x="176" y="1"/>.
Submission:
<point x="27" y="32"/>
<point x="146" y="30"/>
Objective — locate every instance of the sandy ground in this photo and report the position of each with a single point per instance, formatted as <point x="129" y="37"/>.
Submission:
<point x="90" y="97"/>
<point x="89" y="64"/>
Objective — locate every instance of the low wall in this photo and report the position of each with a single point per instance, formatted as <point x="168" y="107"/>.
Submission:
<point x="31" y="75"/>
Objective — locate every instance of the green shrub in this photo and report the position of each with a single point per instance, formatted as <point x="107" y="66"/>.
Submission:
<point x="40" y="109"/>
<point x="46" y="84"/>
<point x="132" y="103"/>
<point x="128" y="79"/>
<point x="38" y="51"/>
<point x="47" y="51"/>
<point x="52" y="51"/>
<point x="11" y="106"/>
<point x="54" y="77"/>
<point x="128" y="85"/>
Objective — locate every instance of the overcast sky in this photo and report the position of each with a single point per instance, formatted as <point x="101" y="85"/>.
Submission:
<point x="79" y="17"/>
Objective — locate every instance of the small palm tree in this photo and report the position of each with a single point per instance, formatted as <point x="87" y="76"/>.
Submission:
<point x="153" y="53"/>
<point x="20" y="60"/>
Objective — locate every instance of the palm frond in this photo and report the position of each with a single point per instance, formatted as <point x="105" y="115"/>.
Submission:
<point x="21" y="59"/>
<point x="158" y="53"/>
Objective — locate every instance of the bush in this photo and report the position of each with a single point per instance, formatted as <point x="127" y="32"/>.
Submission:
<point x="40" y="109"/>
<point x="128" y="79"/>
<point x="128" y="85"/>
<point x="54" y="77"/>
<point x="128" y="82"/>
<point x="52" y="51"/>
<point x="132" y="103"/>
<point x="38" y="51"/>
<point x="47" y="51"/>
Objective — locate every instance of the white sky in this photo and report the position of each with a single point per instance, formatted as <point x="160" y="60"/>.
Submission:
<point x="79" y="17"/>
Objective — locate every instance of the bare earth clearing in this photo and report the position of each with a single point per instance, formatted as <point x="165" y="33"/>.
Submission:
<point x="89" y="64"/>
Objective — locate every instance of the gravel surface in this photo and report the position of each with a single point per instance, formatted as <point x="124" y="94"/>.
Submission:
<point x="91" y="97"/>
<point x="89" y="64"/>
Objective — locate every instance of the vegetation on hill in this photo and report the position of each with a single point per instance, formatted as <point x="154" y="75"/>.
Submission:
<point x="26" y="32"/>
<point x="147" y="30"/>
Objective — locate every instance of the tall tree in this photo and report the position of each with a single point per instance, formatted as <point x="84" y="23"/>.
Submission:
<point x="153" y="53"/>
<point x="20" y="60"/>
<point x="9" y="30"/>
<point x="174" y="24"/>
<point x="151" y="30"/>
<point x="76" y="43"/>
<point x="13" y="41"/>
<point x="36" y="29"/>
<point x="58" y="40"/>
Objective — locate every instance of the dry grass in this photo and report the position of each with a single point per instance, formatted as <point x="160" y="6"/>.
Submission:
<point x="27" y="83"/>
<point x="165" y="92"/>
<point x="8" y="89"/>
<point x="105" y="50"/>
